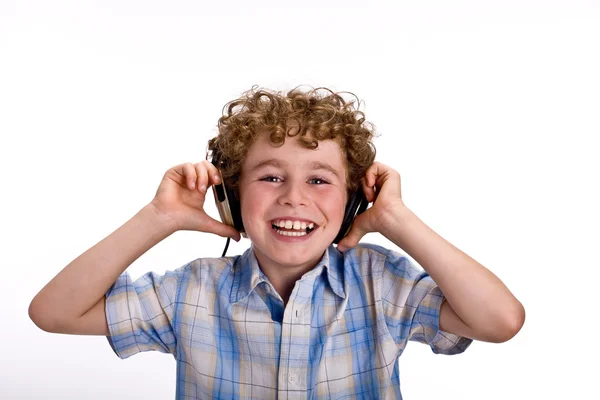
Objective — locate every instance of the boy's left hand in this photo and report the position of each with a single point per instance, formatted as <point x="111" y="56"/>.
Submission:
<point x="381" y="186"/>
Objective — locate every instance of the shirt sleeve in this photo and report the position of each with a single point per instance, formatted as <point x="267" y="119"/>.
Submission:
<point x="141" y="314"/>
<point x="412" y="302"/>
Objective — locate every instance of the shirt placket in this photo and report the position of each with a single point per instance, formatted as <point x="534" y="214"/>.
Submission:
<point x="293" y="364"/>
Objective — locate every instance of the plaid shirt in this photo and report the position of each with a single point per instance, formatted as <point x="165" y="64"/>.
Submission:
<point x="340" y="335"/>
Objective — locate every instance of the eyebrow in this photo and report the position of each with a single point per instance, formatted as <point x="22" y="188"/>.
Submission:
<point x="313" y="165"/>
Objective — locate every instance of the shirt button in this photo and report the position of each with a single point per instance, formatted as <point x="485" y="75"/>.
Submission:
<point x="292" y="378"/>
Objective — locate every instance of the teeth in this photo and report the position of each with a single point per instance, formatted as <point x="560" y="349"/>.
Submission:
<point x="284" y="233"/>
<point x="288" y="224"/>
<point x="301" y="228"/>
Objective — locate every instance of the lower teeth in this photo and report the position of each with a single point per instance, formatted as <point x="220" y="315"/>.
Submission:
<point x="285" y="233"/>
<point x="289" y="233"/>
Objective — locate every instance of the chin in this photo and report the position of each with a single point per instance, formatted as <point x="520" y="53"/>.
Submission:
<point x="294" y="260"/>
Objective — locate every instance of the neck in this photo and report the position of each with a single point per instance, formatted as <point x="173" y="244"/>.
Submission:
<point x="283" y="277"/>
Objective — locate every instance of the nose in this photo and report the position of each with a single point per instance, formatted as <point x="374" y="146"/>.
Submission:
<point x="294" y="195"/>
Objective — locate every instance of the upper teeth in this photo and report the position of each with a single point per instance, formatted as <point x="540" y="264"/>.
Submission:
<point x="287" y="224"/>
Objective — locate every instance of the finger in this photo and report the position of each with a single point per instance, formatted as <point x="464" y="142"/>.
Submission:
<point x="370" y="181"/>
<point x="214" y="173"/>
<point x="387" y="176"/>
<point x="202" y="177"/>
<point x="189" y="174"/>
<point x="375" y="174"/>
<point x="369" y="191"/>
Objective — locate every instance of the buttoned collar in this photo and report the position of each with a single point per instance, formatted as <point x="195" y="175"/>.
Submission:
<point x="247" y="273"/>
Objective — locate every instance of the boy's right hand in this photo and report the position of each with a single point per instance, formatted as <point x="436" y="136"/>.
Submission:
<point x="180" y="199"/>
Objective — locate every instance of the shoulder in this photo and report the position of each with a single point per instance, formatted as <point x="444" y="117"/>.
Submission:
<point x="369" y="257"/>
<point x="198" y="272"/>
<point x="387" y="271"/>
<point x="365" y="252"/>
<point x="207" y="270"/>
<point x="364" y="264"/>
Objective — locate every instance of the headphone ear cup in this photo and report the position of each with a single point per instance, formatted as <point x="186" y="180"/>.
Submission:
<point x="236" y="209"/>
<point x="226" y="201"/>
<point x="357" y="204"/>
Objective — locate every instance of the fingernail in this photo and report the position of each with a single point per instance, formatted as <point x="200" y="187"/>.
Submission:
<point x="203" y="188"/>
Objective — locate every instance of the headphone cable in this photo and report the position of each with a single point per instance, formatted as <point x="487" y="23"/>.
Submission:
<point x="226" y="246"/>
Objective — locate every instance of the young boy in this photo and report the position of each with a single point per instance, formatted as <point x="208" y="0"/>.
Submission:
<point x="293" y="317"/>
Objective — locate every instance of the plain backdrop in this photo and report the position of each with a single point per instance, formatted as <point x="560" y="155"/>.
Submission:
<point x="490" y="112"/>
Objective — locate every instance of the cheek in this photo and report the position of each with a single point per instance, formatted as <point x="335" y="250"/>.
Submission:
<point x="253" y="203"/>
<point x="335" y="203"/>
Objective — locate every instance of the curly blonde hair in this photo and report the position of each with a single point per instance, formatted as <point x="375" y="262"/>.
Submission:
<point x="313" y="115"/>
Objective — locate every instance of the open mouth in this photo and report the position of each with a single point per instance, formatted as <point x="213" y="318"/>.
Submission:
<point x="292" y="232"/>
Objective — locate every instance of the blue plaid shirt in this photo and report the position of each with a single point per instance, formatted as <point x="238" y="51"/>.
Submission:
<point x="340" y="335"/>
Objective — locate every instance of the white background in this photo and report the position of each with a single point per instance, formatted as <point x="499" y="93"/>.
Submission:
<point x="488" y="110"/>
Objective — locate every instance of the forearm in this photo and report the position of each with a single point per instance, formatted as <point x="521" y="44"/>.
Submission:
<point x="475" y="294"/>
<point x="82" y="283"/>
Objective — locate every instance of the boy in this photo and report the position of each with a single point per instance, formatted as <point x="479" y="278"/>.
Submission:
<point x="293" y="317"/>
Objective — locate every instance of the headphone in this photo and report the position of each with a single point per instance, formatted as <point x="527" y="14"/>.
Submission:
<point x="230" y="211"/>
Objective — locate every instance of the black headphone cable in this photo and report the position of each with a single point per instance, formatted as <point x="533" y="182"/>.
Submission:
<point x="226" y="246"/>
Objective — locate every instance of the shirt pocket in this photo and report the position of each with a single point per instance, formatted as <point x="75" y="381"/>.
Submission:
<point x="349" y="362"/>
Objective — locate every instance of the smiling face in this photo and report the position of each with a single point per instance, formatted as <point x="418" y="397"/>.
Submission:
<point x="287" y="186"/>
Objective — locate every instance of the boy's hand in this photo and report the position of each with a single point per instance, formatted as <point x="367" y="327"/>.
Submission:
<point x="180" y="199"/>
<point x="381" y="186"/>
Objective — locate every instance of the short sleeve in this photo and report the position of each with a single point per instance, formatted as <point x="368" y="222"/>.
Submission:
<point x="141" y="314"/>
<point x="412" y="303"/>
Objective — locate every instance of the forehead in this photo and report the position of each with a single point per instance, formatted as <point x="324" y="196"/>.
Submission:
<point x="327" y="156"/>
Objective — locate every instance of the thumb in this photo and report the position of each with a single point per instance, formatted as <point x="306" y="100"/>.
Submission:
<point x="351" y="239"/>
<point x="221" y="229"/>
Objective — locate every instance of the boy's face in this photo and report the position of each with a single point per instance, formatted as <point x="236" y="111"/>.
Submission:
<point x="292" y="183"/>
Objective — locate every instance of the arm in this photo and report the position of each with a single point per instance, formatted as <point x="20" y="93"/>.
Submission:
<point x="73" y="301"/>
<point x="479" y="305"/>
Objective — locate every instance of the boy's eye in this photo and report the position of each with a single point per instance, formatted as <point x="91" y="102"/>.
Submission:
<point x="269" y="178"/>
<point x="319" y="179"/>
<point x="273" y="178"/>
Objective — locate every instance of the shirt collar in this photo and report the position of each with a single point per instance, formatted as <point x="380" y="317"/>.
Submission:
<point x="247" y="274"/>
